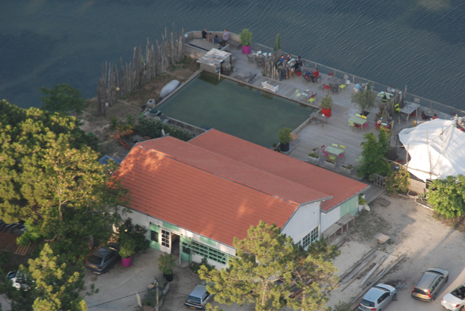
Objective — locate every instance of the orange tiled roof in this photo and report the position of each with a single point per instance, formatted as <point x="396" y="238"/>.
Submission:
<point x="339" y="187"/>
<point x="206" y="192"/>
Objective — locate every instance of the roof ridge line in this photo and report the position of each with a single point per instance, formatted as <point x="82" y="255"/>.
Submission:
<point x="219" y="175"/>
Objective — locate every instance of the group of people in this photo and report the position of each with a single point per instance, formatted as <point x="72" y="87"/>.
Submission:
<point x="288" y="66"/>
<point x="216" y="40"/>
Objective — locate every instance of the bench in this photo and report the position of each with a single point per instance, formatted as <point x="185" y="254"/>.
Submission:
<point x="270" y="87"/>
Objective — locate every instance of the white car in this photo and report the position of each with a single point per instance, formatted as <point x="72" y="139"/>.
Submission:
<point x="19" y="279"/>
<point x="455" y="300"/>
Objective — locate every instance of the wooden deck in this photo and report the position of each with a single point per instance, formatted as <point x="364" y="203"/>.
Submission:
<point x="335" y="131"/>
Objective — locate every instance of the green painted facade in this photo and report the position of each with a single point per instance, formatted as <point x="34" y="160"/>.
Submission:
<point x="154" y="232"/>
<point x="349" y="206"/>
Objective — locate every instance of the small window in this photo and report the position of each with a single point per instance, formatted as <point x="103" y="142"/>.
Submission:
<point x="165" y="238"/>
<point x="186" y="250"/>
<point x="154" y="236"/>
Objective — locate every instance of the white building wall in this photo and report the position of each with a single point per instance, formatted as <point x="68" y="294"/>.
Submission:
<point x="329" y="218"/>
<point x="304" y="220"/>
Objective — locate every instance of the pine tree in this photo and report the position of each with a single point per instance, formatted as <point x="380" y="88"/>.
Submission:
<point x="52" y="180"/>
<point x="267" y="266"/>
<point x="58" y="282"/>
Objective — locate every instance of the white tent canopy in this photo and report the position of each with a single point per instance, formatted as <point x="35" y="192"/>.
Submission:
<point x="436" y="148"/>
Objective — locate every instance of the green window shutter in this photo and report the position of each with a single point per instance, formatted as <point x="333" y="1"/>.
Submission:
<point x="154" y="236"/>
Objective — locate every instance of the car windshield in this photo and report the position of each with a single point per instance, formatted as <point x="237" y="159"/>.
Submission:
<point x="419" y="291"/>
<point x="95" y="259"/>
<point x="193" y="299"/>
<point x="368" y="303"/>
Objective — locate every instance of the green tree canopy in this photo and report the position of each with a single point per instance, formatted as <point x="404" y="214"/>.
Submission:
<point x="365" y="100"/>
<point x="373" y="154"/>
<point x="447" y="196"/>
<point x="51" y="180"/>
<point x="62" y="98"/>
<point x="57" y="282"/>
<point x="267" y="266"/>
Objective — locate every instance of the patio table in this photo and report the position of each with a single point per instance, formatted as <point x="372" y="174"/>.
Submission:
<point x="388" y="95"/>
<point x="409" y="108"/>
<point x="333" y="150"/>
<point x="358" y="120"/>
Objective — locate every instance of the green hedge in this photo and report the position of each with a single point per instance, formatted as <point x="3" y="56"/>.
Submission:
<point x="152" y="127"/>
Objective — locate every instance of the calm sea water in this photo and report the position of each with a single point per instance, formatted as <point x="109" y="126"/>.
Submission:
<point x="419" y="43"/>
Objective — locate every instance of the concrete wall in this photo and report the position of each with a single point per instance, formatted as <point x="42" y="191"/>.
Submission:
<point x="304" y="220"/>
<point x="329" y="218"/>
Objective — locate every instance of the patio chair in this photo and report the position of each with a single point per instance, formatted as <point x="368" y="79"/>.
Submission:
<point x="250" y="58"/>
<point x="312" y="98"/>
<point x="351" y="124"/>
<point x="297" y="94"/>
<point x="364" y="117"/>
<point x="343" y="86"/>
<point x="324" y="151"/>
<point x="325" y="87"/>
<point x="341" y="155"/>
<point x="365" y="125"/>
<point x="342" y="147"/>
<point x="335" y="145"/>
<point x="358" y="115"/>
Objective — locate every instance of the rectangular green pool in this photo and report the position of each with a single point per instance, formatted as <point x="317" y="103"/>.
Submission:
<point x="234" y="108"/>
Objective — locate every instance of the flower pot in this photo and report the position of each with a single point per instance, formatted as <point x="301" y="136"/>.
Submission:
<point x="284" y="147"/>
<point x="326" y="112"/>
<point x="313" y="160"/>
<point x="346" y="170"/>
<point x="126" y="262"/>
<point x="330" y="165"/>
<point x="168" y="277"/>
<point x="246" y="49"/>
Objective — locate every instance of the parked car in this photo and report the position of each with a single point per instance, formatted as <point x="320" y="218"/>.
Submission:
<point x="198" y="298"/>
<point x="19" y="279"/>
<point x="455" y="300"/>
<point x="102" y="259"/>
<point x="377" y="298"/>
<point x="430" y="283"/>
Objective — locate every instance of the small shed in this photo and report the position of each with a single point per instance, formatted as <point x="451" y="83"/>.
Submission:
<point x="214" y="59"/>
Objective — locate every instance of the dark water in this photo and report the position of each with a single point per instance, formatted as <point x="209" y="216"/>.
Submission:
<point x="417" y="43"/>
<point x="233" y="108"/>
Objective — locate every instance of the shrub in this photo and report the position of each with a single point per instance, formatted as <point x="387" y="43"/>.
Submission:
<point x="447" y="196"/>
<point x="195" y="267"/>
<point x="152" y="127"/>
<point x="398" y="181"/>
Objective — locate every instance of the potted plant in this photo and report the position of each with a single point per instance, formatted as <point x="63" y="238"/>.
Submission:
<point x="285" y="138"/>
<point x="314" y="156"/>
<point x="245" y="36"/>
<point x="127" y="249"/>
<point x="325" y="105"/>
<point x="362" y="203"/>
<point x="347" y="168"/>
<point x="166" y="265"/>
<point x="330" y="161"/>
<point x="365" y="100"/>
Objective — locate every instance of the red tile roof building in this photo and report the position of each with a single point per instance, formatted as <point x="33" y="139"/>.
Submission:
<point x="216" y="186"/>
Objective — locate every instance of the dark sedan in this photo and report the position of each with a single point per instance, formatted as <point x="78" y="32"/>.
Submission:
<point x="102" y="259"/>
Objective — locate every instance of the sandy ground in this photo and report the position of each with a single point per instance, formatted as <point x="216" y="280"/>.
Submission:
<point x="413" y="231"/>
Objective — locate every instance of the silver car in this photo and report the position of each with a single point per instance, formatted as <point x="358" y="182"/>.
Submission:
<point x="198" y="298"/>
<point x="377" y="298"/>
<point x="430" y="283"/>
<point x="455" y="300"/>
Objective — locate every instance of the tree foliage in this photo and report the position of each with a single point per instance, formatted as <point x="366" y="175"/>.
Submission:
<point x="365" y="100"/>
<point x="373" y="154"/>
<point x="62" y="98"/>
<point x="398" y="181"/>
<point x="53" y="182"/>
<point x="267" y="266"/>
<point x="58" y="282"/>
<point x="447" y="196"/>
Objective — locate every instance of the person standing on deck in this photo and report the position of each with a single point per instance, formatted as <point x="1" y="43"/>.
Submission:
<point x="225" y="37"/>
<point x="204" y="34"/>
